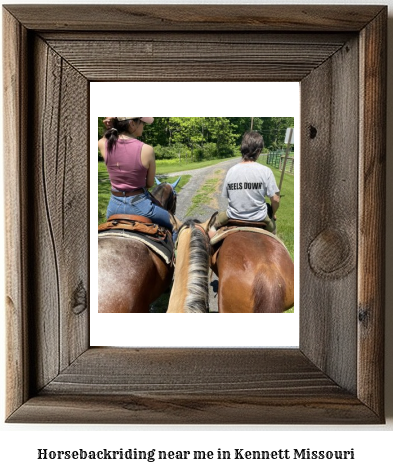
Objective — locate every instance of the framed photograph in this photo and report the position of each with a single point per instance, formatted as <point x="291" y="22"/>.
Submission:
<point x="205" y="101"/>
<point x="338" y="55"/>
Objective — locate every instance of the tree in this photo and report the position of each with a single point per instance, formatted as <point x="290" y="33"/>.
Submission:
<point x="209" y="136"/>
<point x="274" y="129"/>
<point x="243" y="124"/>
<point x="101" y="128"/>
<point x="221" y="130"/>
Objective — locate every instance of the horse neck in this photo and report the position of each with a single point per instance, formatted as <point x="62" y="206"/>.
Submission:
<point x="190" y="291"/>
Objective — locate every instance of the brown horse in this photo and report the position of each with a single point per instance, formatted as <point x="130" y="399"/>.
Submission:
<point x="130" y="275"/>
<point x="190" y="290"/>
<point x="255" y="272"/>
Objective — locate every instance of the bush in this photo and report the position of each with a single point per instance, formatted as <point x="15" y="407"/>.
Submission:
<point x="210" y="151"/>
<point x="206" y="152"/>
<point x="226" y="150"/>
<point x="165" y="152"/>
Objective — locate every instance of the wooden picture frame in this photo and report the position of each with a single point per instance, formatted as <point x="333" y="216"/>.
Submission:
<point x="338" y="54"/>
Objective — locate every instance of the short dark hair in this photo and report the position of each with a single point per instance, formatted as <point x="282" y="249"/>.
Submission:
<point x="252" y="145"/>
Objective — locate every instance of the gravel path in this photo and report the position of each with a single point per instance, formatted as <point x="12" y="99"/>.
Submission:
<point x="199" y="177"/>
<point x="203" y="212"/>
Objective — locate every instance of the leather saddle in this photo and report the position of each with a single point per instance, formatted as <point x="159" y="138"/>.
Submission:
<point x="240" y="223"/>
<point x="134" y="223"/>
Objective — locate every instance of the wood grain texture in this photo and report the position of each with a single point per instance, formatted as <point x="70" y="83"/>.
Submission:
<point x="372" y="177"/>
<point x="201" y="37"/>
<point x="156" y="409"/>
<point x="193" y="17"/>
<point x="336" y="375"/>
<point x="186" y="59"/>
<point x="58" y="221"/>
<point x="329" y="188"/>
<point x="15" y="104"/>
<point x="200" y="386"/>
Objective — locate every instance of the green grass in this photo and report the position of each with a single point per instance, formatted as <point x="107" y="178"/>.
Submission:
<point x="285" y="214"/>
<point x="104" y="189"/>
<point x="203" y="196"/>
<point x="173" y="166"/>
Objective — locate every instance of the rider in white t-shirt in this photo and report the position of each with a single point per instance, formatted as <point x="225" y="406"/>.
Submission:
<point x="246" y="186"/>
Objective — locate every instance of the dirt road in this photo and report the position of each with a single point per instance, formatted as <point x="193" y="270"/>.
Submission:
<point x="199" y="178"/>
<point x="203" y="212"/>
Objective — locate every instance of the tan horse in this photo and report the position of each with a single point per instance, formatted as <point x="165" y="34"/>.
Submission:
<point x="190" y="290"/>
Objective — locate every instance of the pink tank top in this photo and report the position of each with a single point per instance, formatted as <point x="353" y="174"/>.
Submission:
<point x="124" y="165"/>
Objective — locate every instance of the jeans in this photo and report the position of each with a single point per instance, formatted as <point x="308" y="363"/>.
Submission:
<point x="140" y="205"/>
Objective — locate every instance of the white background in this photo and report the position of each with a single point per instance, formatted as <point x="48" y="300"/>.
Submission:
<point x="204" y="99"/>
<point x="372" y="444"/>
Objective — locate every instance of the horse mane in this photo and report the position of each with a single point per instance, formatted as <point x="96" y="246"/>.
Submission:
<point x="197" y="299"/>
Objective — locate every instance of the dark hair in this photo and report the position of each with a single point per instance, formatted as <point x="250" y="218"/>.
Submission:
<point x="119" y="126"/>
<point x="252" y="145"/>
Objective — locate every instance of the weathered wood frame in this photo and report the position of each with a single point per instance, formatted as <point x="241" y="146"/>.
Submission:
<point x="338" y="53"/>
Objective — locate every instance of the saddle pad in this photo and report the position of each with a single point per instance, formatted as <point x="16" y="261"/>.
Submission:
<point x="225" y="231"/>
<point x="163" y="248"/>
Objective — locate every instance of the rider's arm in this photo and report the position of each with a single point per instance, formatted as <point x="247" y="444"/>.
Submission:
<point x="275" y="200"/>
<point x="108" y="122"/>
<point x="149" y="162"/>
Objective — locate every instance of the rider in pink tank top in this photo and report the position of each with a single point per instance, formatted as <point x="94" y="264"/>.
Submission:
<point x="124" y="165"/>
<point x="131" y="168"/>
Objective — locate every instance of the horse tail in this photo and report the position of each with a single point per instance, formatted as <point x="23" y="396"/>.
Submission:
<point x="197" y="300"/>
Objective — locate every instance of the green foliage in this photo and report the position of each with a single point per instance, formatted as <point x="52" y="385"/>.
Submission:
<point x="101" y="128"/>
<point x="158" y="132"/>
<point x="165" y="153"/>
<point x="104" y="192"/>
<point x="201" y="138"/>
<point x="207" y="152"/>
<point x="244" y="124"/>
<point x="274" y="129"/>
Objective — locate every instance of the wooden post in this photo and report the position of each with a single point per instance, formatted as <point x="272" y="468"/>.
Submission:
<point x="286" y="157"/>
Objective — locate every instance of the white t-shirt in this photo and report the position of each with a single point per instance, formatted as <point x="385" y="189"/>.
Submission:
<point x="246" y="185"/>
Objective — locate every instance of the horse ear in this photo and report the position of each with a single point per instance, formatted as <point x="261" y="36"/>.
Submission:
<point x="175" y="183"/>
<point x="157" y="181"/>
